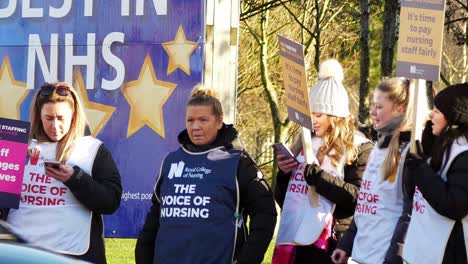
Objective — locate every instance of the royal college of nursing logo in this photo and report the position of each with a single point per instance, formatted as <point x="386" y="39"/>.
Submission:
<point x="176" y="170"/>
<point x="179" y="170"/>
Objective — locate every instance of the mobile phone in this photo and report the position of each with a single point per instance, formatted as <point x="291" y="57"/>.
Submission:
<point x="52" y="164"/>
<point x="281" y="148"/>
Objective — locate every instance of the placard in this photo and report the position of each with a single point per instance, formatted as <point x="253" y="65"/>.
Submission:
<point x="13" y="152"/>
<point x="420" y="39"/>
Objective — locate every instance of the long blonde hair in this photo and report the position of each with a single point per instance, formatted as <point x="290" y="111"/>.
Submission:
<point x="78" y="122"/>
<point x="339" y="141"/>
<point x="398" y="92"/>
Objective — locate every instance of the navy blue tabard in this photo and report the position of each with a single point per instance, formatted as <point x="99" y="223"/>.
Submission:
<point x="199" y="199"/>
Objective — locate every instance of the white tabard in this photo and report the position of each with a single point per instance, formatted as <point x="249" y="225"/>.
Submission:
<point x="429" y="232"/>
<point x="49" y="215"/>
<point x="380" y="204"/>
<point x="302" y="224"/>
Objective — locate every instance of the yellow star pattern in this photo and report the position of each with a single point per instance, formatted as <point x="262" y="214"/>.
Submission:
<point x="179" y="51"/>
<point x="98" y="114"/>
<point x="146" y="97"/>
<point x="12" y="92"/>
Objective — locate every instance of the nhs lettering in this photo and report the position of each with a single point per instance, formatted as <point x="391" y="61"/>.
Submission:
<point x="60" y="45"/>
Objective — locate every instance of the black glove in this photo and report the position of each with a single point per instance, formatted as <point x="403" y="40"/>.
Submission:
<point x="409" y="172"/>
<point x="428" y="139"/>
<point x="413" y="168"/>
<point x="312" y="173"/>
<point x="413" y="161"/>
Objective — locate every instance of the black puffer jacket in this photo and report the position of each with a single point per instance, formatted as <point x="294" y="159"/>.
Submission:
<point x="256" y="200"/>
<point x="342" y="192"/>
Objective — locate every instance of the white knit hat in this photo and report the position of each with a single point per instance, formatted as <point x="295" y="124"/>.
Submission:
<point x="329" y="96"/>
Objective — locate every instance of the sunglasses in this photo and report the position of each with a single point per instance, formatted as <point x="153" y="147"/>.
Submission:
<point x="48" y="89"/>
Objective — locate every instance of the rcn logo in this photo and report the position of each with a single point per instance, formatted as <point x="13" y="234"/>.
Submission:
<point x="176" y="170"/>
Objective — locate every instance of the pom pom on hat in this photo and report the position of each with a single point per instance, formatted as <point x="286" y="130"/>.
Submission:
<point x="331" y="69"/>
<point x="329" y="96"/>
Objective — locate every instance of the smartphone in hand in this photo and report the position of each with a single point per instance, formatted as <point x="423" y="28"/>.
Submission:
<point x="281" y="148"/>
<point x="52" y="164"/>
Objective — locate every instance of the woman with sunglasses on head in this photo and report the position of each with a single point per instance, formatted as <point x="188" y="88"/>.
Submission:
<point x="308" y="233"/>
<point x="381" y="214"/>
<point x="61" y="206"/>
<point x="203" y="195"/>
<point x="438" y="231"/>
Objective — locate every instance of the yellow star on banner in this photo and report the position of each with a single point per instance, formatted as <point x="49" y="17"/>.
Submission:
<point x="179" y="51"/>
<point x="12" y="92"/>
<point x="98" y="114"/>
<point x="146" y="97"/>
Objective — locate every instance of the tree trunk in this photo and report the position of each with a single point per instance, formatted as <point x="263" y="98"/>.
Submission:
<point x="389" y="36"/>
<point x="280" y="128"/>
<point x="365" y="64"/>
<point x="317" y="35"/>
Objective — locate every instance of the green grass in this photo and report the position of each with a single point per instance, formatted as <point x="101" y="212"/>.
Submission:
<point x="120" y="251"/>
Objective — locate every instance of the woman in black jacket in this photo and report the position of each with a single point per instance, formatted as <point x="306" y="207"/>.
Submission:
<point x="203" y="195"/>
<point x="308" y="233"/>
<point x="438" y="229"/>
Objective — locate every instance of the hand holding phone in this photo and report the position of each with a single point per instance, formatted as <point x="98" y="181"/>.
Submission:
<point x="288" y="163"/>
<point x="282" y="149"/>
<point x="57" y="170"/>
<point x="52" y="164"/>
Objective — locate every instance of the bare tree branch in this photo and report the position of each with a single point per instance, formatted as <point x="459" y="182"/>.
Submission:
<point x="464" y="5"/>
<point x="261" y="8"/>
<point x="252" y="32"/>
<point x="297" y="20"/>
<point x="444" y="80"/>
<point x="463" y="19"/>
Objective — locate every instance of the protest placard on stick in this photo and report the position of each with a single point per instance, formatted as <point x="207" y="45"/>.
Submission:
<point x="419" y="54"/>
<point x="297" y="97"/>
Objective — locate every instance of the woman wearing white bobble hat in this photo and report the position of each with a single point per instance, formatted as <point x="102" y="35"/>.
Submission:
<point x="308" y="234"/>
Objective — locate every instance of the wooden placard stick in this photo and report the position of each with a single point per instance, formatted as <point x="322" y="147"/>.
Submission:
<point x="418" y="99"/>
<point x="309" y="158"/>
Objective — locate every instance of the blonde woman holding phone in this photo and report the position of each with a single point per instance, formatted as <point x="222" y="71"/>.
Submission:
<point x="308" y="234"/>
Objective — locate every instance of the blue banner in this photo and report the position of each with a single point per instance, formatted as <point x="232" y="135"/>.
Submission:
<point x="133" y="63"/>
